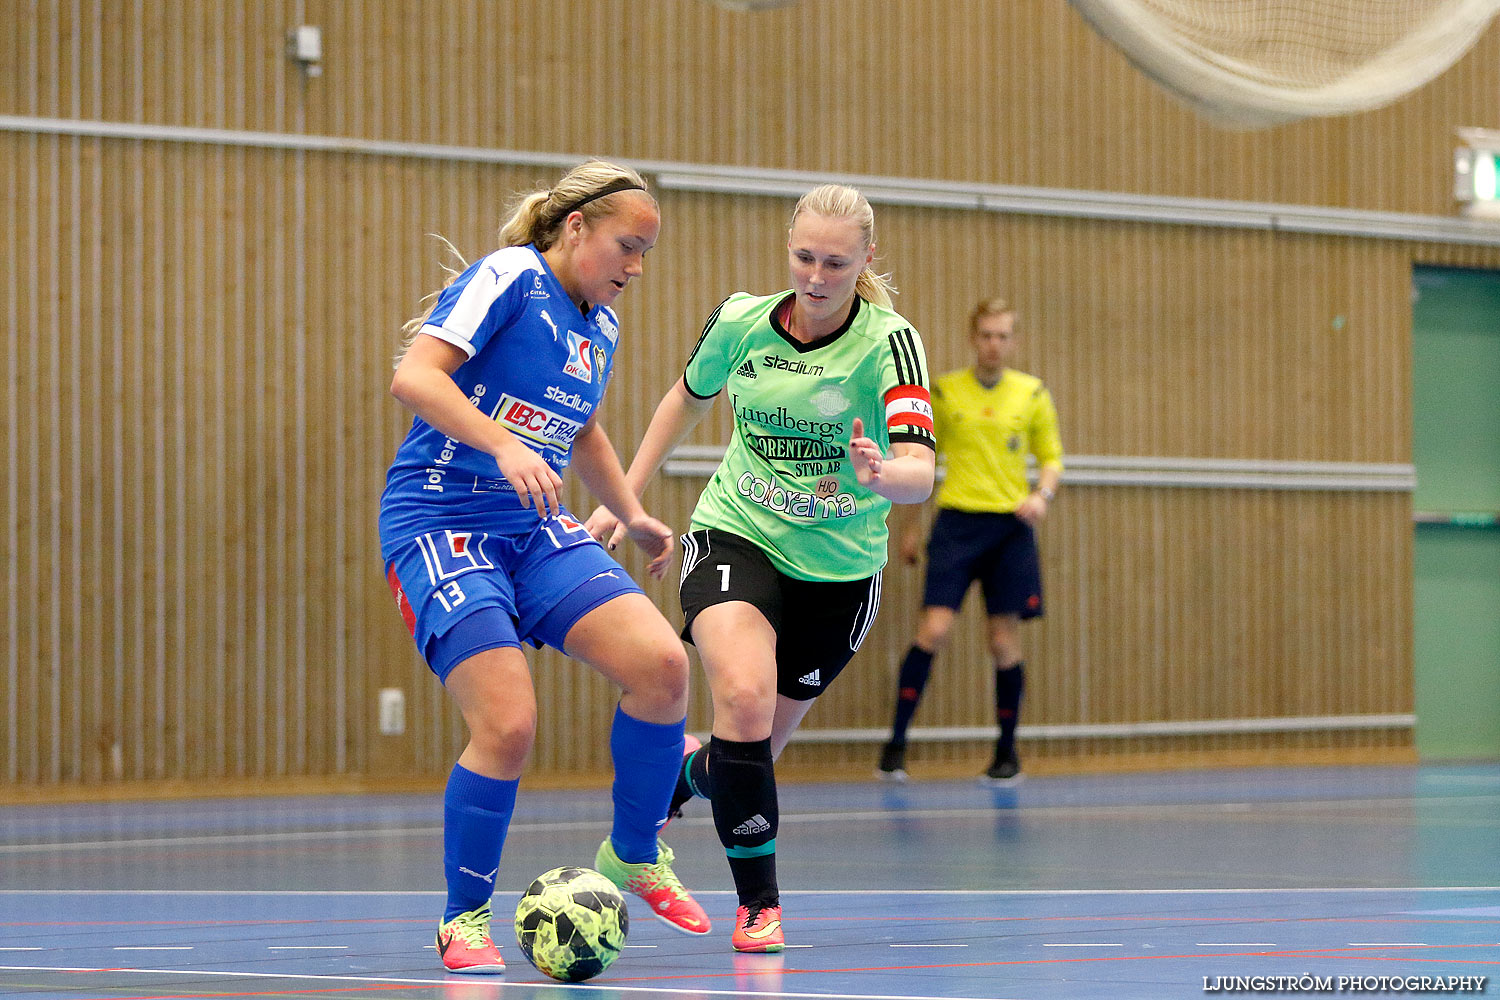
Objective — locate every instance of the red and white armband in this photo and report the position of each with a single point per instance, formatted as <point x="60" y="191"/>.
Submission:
<point x="908" y="408"/>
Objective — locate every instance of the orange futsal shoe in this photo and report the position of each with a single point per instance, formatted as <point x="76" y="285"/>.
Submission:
<point x="758" y="929"/>
<point x="464" y="944"/>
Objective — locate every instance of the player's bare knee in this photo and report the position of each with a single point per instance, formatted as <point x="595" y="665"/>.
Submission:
<point x="933" y="636"/>
<point x="1005" y="653"/>
<point x="748" y="706"/>
<point x="671" y="673"/>
<point x="1005" y="645"/>
<point x="505" y="738"/>
<point x="660" y="675"/>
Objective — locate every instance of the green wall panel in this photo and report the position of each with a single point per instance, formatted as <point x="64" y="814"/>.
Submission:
<point x="1456" y="450"/>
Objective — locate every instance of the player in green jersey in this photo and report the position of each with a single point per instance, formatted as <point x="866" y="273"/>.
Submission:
<point x="781" y="568"/>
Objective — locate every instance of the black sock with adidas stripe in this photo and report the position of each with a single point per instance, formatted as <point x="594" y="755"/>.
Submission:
<point x="746" y="816"/>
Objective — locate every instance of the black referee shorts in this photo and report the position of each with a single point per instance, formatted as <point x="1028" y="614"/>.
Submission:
<point x="819" y="625"/>
<point x="998" y="550"/>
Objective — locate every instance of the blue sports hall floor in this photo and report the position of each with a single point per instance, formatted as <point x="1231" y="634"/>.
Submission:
<point x="1327" y="880"/>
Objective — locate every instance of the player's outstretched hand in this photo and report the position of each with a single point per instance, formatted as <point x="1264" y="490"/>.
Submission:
<point x="605" y="527"/>
<point x="531" y="477"/>
<point x="656" y="540"/>
<point x="864" y="455"/>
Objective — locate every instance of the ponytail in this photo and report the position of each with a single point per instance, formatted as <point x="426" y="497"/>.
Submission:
<point x="874" y="287"/>
<point x="537" y="217"/>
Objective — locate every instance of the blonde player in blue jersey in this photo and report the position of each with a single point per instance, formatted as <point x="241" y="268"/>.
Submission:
<point x="989" y="418"/>
<point x="505" y="376"/>
<point x="781" y="568"/>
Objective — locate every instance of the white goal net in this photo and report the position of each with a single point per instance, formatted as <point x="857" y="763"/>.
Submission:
<point x="1256" y="63"/>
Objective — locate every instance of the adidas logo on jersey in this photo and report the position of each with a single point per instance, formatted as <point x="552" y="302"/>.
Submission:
<point x="811" y="680"/>
<point x="746" y="370"/>
<point x="755" y="824"/>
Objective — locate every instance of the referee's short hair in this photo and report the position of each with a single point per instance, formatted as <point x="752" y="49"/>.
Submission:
<point x="989" y="307"/>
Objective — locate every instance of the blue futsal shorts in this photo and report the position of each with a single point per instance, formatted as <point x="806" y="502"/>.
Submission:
<point x="462" y="592"/>
<point x="998" y="550"/>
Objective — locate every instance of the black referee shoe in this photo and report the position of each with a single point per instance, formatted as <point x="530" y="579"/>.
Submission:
<point x="1004" y="770"/>
<point x="892" y="766"/>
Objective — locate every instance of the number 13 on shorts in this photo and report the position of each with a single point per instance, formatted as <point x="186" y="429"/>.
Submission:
<point x="450" y="594"/>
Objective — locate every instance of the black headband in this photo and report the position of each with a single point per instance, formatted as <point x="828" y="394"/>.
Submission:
<point x="613" y="187"/>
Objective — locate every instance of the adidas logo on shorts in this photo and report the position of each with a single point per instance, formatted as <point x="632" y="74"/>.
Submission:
<point x="746" y="370"/>
<point x="755" y="824"/>
<point x="811" y="680"/>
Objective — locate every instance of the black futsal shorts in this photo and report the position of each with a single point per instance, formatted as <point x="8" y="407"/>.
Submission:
<point x="819" y="625"/>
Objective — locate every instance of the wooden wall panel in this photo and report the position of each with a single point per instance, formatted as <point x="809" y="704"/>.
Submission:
<point x="198" y="346"/>
<point x="1006" y="93"/>
<point x="1177" y="604"/>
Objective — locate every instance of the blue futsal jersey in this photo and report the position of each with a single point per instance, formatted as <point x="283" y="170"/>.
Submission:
<point x="536" y="365"/>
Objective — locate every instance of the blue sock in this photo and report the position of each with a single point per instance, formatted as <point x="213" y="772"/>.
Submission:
<point x="647" y="756"/>
<point x="476" y="816"/>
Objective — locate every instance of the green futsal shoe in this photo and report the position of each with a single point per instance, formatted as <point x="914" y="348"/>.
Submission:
<point x="657" y="884"/>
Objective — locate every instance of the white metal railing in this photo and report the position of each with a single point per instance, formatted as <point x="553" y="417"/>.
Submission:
<point x="1004" y="198"/>
<point x="1117" y="730"/>
<point x="1131" y="470"/>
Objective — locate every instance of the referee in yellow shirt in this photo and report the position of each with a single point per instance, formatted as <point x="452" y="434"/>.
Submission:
<point x="988" y="418"/>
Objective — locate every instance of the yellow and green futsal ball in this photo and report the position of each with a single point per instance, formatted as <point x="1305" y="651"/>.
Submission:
<point x="571" y="923"/>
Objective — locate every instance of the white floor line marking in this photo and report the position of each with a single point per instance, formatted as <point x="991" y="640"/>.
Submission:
<point x="1143" y="891"/>
<point x="1388" y="944"/>
<point x="225" y="838"/>
<point x="571" y="988"/>
<point x="929" y="946"/>
<point x="307" y="947"/>
<point x="1088" y="944"/>
<point x="413" y="893"/>
<point x="1129" y="809"/>
<point x="21" y="949"/>
<point x="640" y="946"/>
<point x="998" y="893"/>
<point x="860" y="816"/>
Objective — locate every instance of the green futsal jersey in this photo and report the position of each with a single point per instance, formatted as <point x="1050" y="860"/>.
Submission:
<point x="786" y="482"/>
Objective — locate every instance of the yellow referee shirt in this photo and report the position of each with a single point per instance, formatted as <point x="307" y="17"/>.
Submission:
<point x="984" y="435"/>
